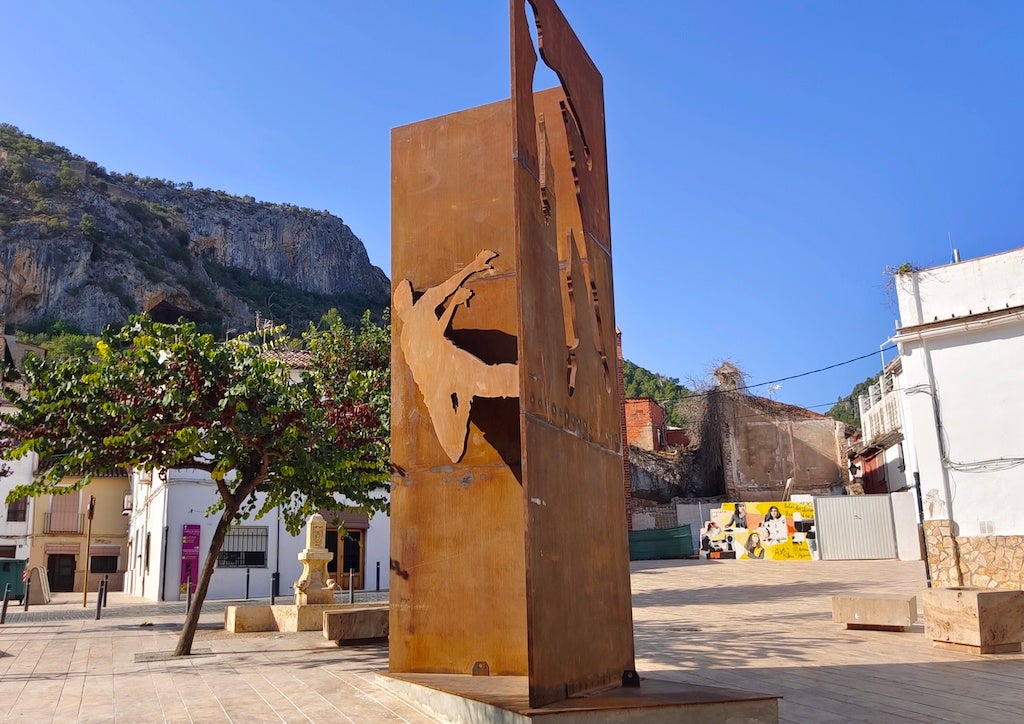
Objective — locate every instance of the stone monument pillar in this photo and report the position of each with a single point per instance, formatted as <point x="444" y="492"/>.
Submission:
<point x="312" y="586"/>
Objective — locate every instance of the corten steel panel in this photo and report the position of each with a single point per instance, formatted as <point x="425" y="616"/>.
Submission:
<point x="509" y="542"/>
<point x="458" y="569"/>
<point x="584" y="90"/>
<point x="578" y="596"/>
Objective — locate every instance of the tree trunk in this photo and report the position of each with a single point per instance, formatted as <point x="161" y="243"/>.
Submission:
<point x="188" y="631"/>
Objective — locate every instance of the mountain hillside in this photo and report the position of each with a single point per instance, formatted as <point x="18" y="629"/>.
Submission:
<point x="87" y="247"/>
<point x="847" y="408"/>
<point x="666" y="391"/>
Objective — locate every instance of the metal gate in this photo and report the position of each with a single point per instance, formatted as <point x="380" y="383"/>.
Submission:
<point x="854" y="527"/>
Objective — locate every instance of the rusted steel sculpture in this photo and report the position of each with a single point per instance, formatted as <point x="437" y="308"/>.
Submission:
<point x="509" y="551"/>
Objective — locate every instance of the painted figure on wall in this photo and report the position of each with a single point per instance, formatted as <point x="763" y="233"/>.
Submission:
<point x="754" y="547"/>
<point x="448" y="376"/>
<point x="739" y="517"/>
<point x="774" y="527"/>
<point x="762" y="530"/>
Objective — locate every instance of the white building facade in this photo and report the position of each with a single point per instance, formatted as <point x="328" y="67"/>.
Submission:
<point x="170" y="534"/>
<point x="16" y="522"/>
<point x="961" y="343"/>
<point x="15" y="529"/>
<point x="880" y="453"/>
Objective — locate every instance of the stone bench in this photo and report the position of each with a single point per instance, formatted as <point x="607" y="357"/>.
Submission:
<point x="357" y="624"/>
<point x="875" y="612"/>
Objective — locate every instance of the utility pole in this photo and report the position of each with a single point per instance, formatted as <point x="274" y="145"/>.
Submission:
<point x="88" y="549"/>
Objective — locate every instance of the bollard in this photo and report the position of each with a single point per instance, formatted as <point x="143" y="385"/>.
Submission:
<point x="28" y="587"/>
<point x="378" y="575"/>
<point x="100" y="592"/>
<point x="246" y="584"/>
<point x="7" y="598"/>
<point x="188" y="594"/>
<point x="275" y="582"/>
<point x="106" y="585"/>
<point x="350" y="593"/>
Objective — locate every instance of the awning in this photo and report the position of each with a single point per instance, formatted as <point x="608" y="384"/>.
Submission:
<point x="63" y="548"/>
<point x="350" y="519"/>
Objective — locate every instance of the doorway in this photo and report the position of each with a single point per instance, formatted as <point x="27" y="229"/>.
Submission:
<point x="349" y="558"/>
<point x="60" y="569"/>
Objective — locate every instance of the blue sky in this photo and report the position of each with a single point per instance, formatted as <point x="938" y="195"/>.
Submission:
<point x="768" y="161"/>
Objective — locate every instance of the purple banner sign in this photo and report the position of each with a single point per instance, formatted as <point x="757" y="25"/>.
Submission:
<point x="189" y="557"/>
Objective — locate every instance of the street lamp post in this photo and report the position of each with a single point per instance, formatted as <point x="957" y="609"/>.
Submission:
<point x="88" y="549"/>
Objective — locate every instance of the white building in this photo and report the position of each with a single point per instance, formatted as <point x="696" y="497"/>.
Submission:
<point x="16" y="524"/>
<point x="879" y="453"/>
<point x="170" y="534"/>
<point x="961" y="342"/>
<point x="880" y="459"/>
<point x="17" y="519"/>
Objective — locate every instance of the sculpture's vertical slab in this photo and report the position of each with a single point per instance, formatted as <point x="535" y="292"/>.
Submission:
<point x="578" y="595"/>
<point x="508" y="533"/>
<point x="508" y="523"/>
<point x="458" y="582"/>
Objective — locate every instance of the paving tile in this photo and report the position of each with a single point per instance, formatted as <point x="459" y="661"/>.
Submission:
<point x="737" y="624"/>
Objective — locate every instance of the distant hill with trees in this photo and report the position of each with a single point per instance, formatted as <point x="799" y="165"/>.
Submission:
<point x="847" y="408"/>
<point x="86" y="247"/>
<point x="666" y="391"/>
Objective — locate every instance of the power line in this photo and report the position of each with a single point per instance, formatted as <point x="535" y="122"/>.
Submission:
<point x="783" y="379"/>
<point x="820" y="369"/>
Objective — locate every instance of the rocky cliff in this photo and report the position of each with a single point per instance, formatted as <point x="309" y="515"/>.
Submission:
<point x="87" y="247"/>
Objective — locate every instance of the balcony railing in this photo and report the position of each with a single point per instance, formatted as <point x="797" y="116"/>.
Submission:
<point x="63" y="522"/>
<point x="880" y="409"/>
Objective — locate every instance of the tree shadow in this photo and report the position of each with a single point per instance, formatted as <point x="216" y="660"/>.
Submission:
<point x="736" y="594"/>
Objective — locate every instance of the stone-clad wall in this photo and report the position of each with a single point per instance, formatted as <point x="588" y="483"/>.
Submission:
<point x="995" y="561"/>
<point x="943" y="556"/>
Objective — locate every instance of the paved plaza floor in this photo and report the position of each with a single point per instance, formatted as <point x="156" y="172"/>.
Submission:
<point x="755" y="625"/>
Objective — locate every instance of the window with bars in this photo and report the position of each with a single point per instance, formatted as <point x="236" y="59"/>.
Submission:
<point x="17" y="509"/>
<point x="103" y="564"/>
<point x="244" y="547"/>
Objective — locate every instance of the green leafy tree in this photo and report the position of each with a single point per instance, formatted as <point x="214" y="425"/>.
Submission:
<point x="87" y="225"/>
<point x="60" y="341"/>
<point x="18" y="170"/>
<point x="847" y="409"/>
<point x="35" y="189"/>
<point x="66" y="179"/>
<point x="331" y="318"/>
<point x="165" y="396"/>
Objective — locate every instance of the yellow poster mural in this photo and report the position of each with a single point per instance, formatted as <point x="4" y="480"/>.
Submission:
<point x="772" y="531"/>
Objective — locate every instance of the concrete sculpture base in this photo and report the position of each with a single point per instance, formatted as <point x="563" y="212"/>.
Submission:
<point x="462" y="698"/>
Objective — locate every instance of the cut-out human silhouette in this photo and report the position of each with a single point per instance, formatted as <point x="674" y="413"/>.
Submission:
<point x="448" y="376"/>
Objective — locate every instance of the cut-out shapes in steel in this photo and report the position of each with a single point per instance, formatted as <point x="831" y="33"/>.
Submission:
<point x="448" y="376"/>
<point x="584" y="131"/>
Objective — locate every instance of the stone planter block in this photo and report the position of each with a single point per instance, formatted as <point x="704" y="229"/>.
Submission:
<point x="981" y="621"/>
